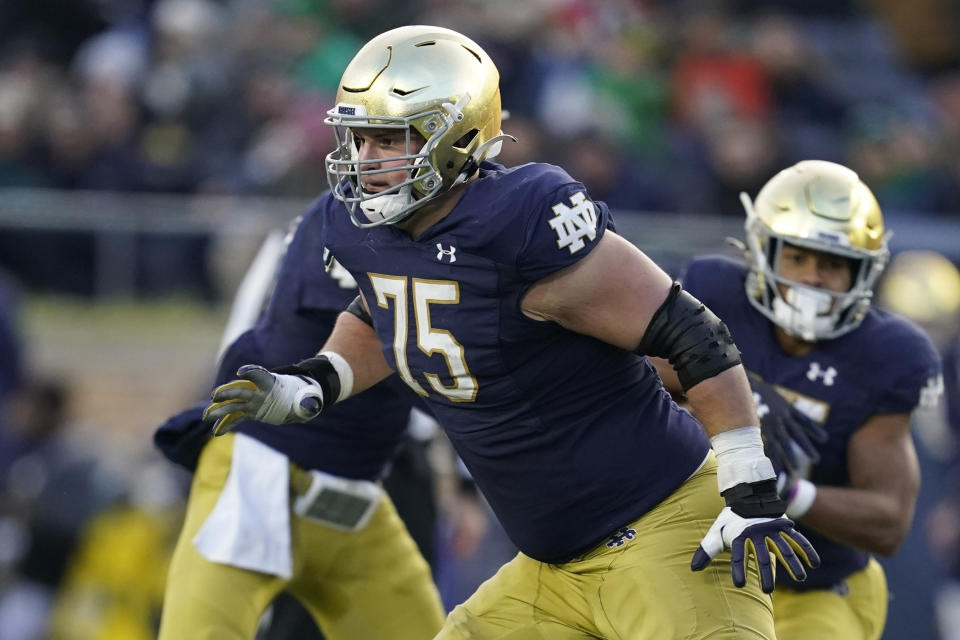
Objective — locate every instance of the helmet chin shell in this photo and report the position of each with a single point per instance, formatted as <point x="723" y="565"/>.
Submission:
<point x="825" y="207"/>
<point x="429" y="80"/>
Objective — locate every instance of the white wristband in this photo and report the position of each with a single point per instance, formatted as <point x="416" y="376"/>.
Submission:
<point x="344" y="372"/>
<point x="740" y="457"/>
<point x="801" y="498"/>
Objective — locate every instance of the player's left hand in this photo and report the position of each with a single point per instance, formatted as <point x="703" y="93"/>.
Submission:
<point x="757" y="533"/>
<point x="763" y="535"/>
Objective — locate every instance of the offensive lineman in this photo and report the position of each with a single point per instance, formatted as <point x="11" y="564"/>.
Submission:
<point x="506" y="300"/>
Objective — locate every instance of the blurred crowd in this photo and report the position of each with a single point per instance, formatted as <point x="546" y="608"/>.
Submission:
<point x="656" y="105"/>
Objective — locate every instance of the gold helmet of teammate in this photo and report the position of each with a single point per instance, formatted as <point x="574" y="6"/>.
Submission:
<point x="825" y="207"/>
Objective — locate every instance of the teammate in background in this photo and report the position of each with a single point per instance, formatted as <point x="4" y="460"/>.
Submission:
<point x="817" y="351"/>
<point x="925" y="287"/>
<point x="297" y="510"/>
<point x="506" y="300"/>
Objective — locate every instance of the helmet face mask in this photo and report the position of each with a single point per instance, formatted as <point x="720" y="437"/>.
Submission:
<point x="418" y="80"/>
<point x="346" y="171"/>
<point x="818" y="206"/>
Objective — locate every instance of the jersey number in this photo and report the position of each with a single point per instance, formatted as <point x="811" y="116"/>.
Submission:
<point x="430" y="340"/>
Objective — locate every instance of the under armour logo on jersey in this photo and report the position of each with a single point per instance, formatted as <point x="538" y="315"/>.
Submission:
<point x="621" y="537"/>
<point x="450" y="253"/>
<point x="816" y="371"/>
<point x="573" y="224"/>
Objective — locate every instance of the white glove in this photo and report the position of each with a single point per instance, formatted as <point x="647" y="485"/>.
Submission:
<point x="273" y="398"/>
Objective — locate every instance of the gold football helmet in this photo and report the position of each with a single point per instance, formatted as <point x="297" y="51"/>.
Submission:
<point x="429" y="79"/>
<point x="822" y="206"/>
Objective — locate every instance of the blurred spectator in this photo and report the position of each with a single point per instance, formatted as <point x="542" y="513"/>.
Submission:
<point x="227" y="97"/>
<point x="623" y="180"/>
<point x="714" y="78"/>
<point x="806" y="107"/>
<point x="735" y="156"/>
<point x="11" y="345"/>
<point x="114" y="580"/>
<point x="898" y="153"/>
<point x="53" y="480"/>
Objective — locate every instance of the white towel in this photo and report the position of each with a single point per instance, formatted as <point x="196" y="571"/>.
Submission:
<point x="249" y="527"/>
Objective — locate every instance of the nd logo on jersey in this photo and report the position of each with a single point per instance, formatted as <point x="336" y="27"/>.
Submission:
<point x="573" y="224"/>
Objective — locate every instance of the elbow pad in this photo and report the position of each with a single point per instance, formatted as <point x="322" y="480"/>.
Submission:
<point x="691" y="337"/>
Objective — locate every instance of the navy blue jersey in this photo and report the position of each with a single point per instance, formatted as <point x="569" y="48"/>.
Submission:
<point x="879" y="368"/>
<point x="567" y="436"/>
<point x="354" y="438"/>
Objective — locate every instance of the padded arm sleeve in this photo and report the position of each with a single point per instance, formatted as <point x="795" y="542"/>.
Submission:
<point x="691" y="337"/>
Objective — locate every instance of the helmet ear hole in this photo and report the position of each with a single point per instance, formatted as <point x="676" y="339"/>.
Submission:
<point x="466" y="139"/>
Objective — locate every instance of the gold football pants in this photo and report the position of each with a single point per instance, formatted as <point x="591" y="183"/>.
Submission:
<point x="855" y="610"/>
<point x="371" y="584"/>
<point x="637" y="585"/>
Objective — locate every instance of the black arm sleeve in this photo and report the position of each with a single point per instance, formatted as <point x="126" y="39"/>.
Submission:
<point x="691" y="337"/>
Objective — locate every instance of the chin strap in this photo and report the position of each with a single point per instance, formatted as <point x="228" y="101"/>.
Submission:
<point x="473" y="162"/>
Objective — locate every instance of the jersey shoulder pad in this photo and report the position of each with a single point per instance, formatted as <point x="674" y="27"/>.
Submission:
<point x="905" y="358"/>
<point x="713" y="278"/>
<point x="903" y="340"/>
<point x="309" y="277"/>
<point x="560" y="222"/>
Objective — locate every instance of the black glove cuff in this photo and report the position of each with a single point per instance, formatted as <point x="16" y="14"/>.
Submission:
<point x="755" y="499"/>
<point x="319" y="369"/>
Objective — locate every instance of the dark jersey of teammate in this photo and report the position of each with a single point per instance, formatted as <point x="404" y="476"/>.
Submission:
<point x="880" y="367"/>
<point x="353" y="439"/>
<point x="567" y="436"/>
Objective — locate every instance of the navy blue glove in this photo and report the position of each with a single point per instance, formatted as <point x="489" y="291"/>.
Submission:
<point x="752" y="522"/>
<point x="785" y="429"/>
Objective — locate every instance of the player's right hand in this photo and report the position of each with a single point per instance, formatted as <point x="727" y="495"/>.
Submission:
<point x="261" y="395"/>
<point x="785" y="429"/>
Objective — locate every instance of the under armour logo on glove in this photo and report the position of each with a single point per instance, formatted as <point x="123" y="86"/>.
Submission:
<point x="450" y="253"/>
<point x="573" y="224"/>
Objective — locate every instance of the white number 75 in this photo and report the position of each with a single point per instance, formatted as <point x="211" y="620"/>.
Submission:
<point x="429" y="339"/>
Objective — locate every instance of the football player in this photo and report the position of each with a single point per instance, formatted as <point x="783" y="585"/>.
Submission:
<point x="505" y="299"/>
<point x="819" y="354"/>
<point x="297" y="510"/>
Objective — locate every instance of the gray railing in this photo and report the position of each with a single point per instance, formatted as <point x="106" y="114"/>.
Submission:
<point x="121" y="224"/>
